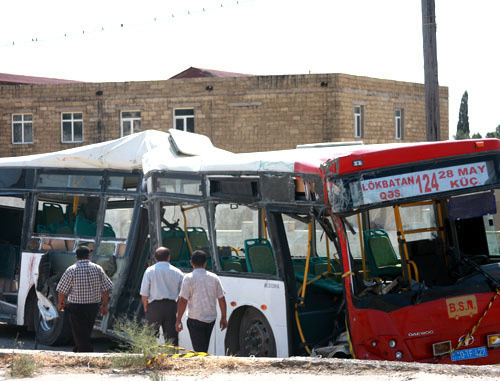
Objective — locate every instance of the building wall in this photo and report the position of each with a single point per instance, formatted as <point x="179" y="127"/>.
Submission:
<point x="240" y="114"/>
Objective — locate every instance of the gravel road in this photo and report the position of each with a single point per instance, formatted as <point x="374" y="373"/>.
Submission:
<point x="247" y="369"/>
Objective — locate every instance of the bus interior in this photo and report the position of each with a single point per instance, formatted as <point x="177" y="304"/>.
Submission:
<point x="417" y="249"/>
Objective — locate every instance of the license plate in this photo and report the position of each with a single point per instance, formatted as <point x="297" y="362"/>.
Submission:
<point x="467" y="354"/>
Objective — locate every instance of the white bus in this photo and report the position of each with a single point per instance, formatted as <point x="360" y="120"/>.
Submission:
<point x="52" y="203"/>
<point x="261" y="217"/>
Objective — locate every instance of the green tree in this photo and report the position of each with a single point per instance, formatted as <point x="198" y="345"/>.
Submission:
<point x="477" y="135"/>
<point x="463" y="119"/>
<point x="494" y="134"/>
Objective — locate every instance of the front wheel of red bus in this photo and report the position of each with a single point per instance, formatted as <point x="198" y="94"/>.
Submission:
<point x="55" y="331"/>
<point x="256" y="335"/>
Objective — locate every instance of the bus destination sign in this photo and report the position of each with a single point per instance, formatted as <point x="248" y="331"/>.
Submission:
<point x="424" y="182"/>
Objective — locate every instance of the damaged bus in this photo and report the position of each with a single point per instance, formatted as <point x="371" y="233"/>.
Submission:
<point x="52" y="203"/>
<point x="263" y="220"/>
<point x="417" y="228"/>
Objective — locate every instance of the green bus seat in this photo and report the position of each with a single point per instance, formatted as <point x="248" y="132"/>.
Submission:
<point x="52" y="213"/>
<point x="381" y="258"/>
<point x="43" y="229"/>
<point x="259" y="256"/>
<point x="175" y="240"/>
<point x="319" y="265"/>
<point x="330" y="285"/>
<point x="231" y="263"/>
<point x="70" y="216"/>
<point x="299" y="265"/>
<point x="61" y="227"/>
<point x="85" y="227"/>
<point x="107" y="231"/>
<point x="198" y="238"/>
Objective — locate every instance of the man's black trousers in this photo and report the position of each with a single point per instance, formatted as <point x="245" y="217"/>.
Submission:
<point x="163" y="313"/>
<point x="82" y="319"/>
<point x="200" y="333"/>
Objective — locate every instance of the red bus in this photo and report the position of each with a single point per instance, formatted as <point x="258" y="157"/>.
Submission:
<point x="417" y="229"/>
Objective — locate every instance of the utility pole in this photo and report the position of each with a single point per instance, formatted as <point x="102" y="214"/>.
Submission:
<point x="431" y="71"/>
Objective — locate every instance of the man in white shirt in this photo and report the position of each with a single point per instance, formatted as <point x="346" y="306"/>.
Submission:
<point x="160" y="288"/>
<point x="200" y="291"/>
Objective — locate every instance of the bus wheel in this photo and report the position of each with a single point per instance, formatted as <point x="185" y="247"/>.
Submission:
<point x="56" y="331"/>
<point x="256" y="335"/>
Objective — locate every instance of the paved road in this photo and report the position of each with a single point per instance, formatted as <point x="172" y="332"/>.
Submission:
<point x="14" y="337"/>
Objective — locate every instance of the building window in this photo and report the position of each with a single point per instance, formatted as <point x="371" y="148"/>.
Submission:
<point x="22" y="128"/>
<point x="72" y="127"/>
<point x="184" y="119"/>
<point x="398" y="123"/>
<point x="130" y="122"/>
<point x="358" y="121"/>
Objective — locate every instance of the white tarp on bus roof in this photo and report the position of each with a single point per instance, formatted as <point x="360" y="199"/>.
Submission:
<point x="294" y="160"/>
<point x="123" y="154"/>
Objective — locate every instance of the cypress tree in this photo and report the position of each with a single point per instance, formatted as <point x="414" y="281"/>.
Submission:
<point x="463" y="118"/>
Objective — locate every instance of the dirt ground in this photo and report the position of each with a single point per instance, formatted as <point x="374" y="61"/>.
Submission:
<point x="62" y="365"/>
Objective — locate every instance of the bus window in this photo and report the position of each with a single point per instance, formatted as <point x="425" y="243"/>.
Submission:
<point x="183" y="231"/>
<point x="59" y="218"/>
<point x="383" y="218"/>
<point x="239" y="246"/>
<point x="117" y="221"/>
<point x="321" y="248"/>
<point x="118" y="217"/>
<point x="353" y="236"/>
<point x="297" y="234"/>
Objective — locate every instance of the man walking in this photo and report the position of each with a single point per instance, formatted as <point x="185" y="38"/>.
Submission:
<point x="85" y="284"/>
<point x="200" y="290"/>
<point x="160" y="288"/>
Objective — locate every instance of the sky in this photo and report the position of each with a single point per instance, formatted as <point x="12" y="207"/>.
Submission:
<point x="115" y="41"/>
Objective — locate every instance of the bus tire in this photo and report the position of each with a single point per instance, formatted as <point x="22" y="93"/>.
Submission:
<point x="256" y="335"/>
<point x="55" y="332"/>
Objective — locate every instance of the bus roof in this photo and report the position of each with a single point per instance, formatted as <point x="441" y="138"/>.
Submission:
<point x="176" y="151"/>
<point x="386" y="155"/>
<point x="121" y="154"/>
<point x="305" y="160"/>
<point x="345" y="158"/>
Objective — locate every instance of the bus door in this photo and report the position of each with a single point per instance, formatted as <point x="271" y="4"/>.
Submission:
<point x="12" y="210"/>
<point x="247" y="262"/>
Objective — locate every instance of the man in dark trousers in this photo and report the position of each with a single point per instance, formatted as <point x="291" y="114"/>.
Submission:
<point x="86" y="285"/>
<point x="200" y="291"/>
<point x="160" y="288"/>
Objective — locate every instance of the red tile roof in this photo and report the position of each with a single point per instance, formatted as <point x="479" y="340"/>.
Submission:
<point x="13" y="79"/>
<point x="194" y="72"/>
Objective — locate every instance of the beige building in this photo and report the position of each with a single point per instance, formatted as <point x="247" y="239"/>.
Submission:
<point x="238" y="112"/>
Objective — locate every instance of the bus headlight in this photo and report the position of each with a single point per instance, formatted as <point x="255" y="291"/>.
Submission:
<point x="399" y="355"/>
<point x="493" y="341"/>
<point x="392" y="343"/>
<point x="441" y="348"/>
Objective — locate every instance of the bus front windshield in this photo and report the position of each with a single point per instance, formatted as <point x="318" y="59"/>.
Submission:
<point x="425" y="244"/>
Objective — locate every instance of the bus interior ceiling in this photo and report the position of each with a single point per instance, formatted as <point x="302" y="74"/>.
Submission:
<point x="424" y="245"/>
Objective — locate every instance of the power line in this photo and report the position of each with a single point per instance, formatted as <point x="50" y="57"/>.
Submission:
<point x="116" y="27"/>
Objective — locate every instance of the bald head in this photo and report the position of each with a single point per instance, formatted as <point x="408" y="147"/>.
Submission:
<point x="162" y="254"/>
